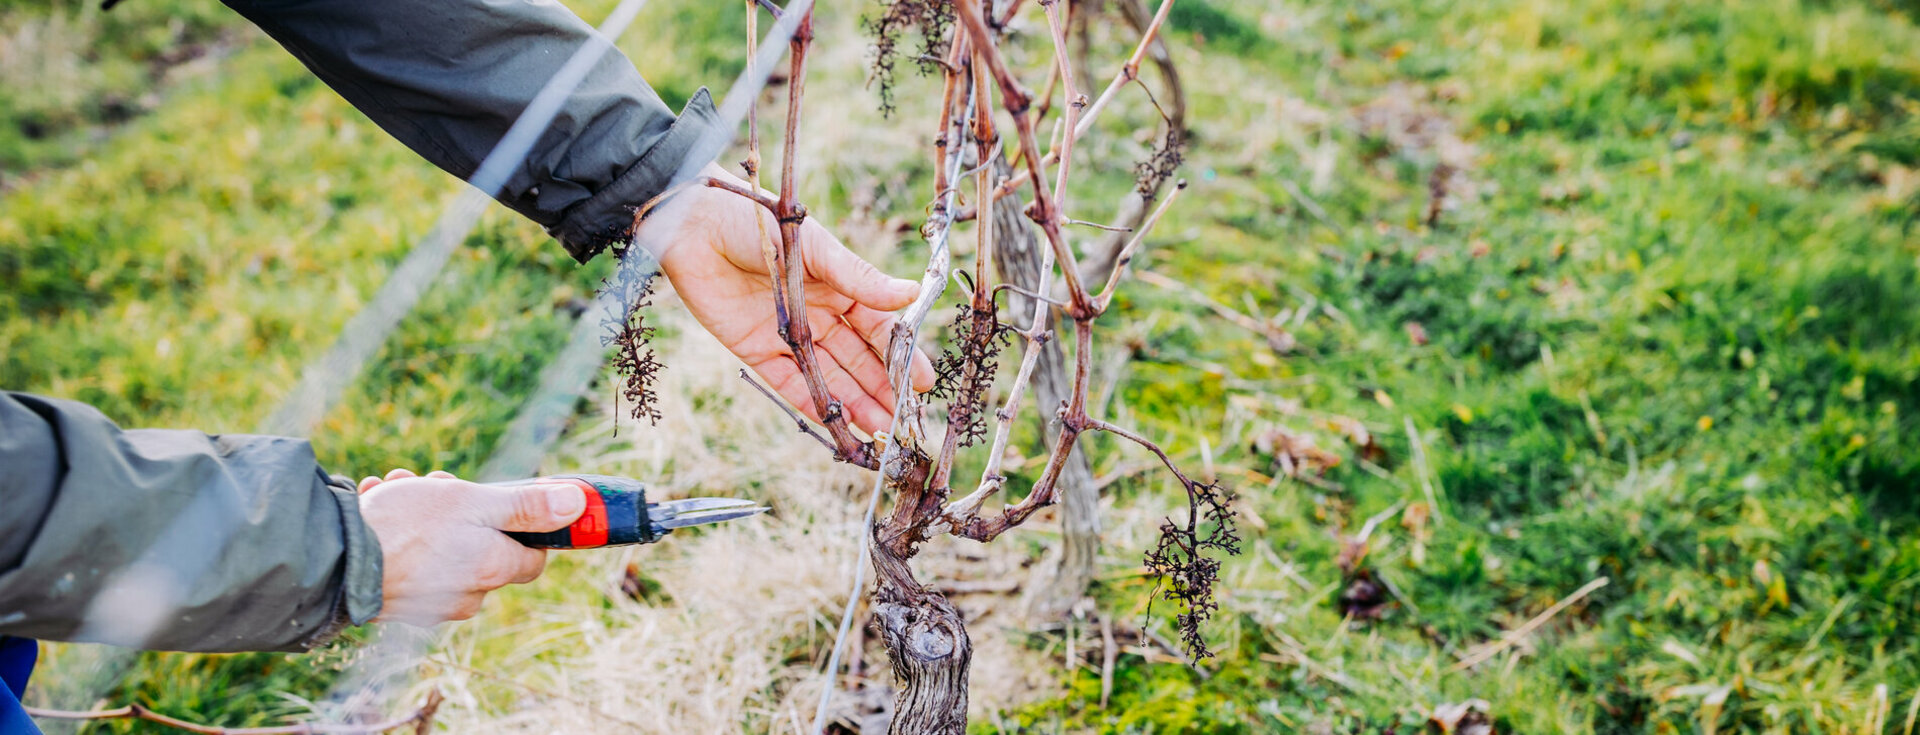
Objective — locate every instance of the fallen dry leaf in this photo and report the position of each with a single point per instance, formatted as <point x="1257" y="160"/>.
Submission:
<point x="1362" y="440"/>
<point x="1365" y="598"/>
<point x="1294" y="453"/>
<point x="1416" y="333"/>
<point x="1462" y="718"/>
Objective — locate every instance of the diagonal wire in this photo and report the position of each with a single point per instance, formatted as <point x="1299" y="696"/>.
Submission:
<point x="161" y="585"/>
<point x="543" y="417"/>
<point x="846" y="614"/>
<point x="325" y="379"/>
<point x="937" y="243"/>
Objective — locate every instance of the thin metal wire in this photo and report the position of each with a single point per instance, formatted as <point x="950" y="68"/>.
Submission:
<point x="937" y="244"/>
<point x="324" y="380"/>
<point x="542" y="418"/>
<point x="853" y="600"/>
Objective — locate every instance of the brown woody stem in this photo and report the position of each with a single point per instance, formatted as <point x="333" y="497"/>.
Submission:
<point x="1098" y="425"/>
<point x="1128" y="73"/>
<point x="1017" y="101"/>
<point x="980" y="313"/>
<point x="1125" y="257"/>
<point x="790" y="271"/>
<point x="1057" y="25"/>
<point x="759" y="197"/>
<point x="801" y="421"/>
<point x="421" y="719"/>
<point x="941" y="180"/>
<point x="1073" y="421"/>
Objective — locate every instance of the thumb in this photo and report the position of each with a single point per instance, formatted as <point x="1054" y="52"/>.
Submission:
<point x="536" y="508"/>
<point x="832" y="263"/>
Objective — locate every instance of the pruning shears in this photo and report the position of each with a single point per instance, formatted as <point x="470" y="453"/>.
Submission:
<point x="618" y="514"/>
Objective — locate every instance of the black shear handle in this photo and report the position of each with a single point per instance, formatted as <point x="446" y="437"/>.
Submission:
<point x="616" y="515"/>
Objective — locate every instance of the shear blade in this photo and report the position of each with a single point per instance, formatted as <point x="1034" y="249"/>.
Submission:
<point x="684" y="519"/>
<point x="694" y="505"/>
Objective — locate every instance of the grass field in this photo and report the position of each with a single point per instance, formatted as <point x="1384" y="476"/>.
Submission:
<point x="1665" y="332"/>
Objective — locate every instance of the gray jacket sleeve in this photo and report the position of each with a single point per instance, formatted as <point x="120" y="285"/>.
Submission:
<point x="448" y="77"/>
<point x="173" y="540"/>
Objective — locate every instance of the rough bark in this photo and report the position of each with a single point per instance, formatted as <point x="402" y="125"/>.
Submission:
<point x="927" y="642"/>
<point x="925" y="637"/>
<point x="1066" y="579"/>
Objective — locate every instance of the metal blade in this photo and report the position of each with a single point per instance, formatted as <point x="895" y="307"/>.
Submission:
<point x="696" y="519"/>
<point x="694" y="505"/>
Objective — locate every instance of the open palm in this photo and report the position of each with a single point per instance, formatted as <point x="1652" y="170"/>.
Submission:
<point x="716" y="267"/>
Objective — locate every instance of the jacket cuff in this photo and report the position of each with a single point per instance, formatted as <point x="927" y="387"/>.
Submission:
<point x="360" y="590"/>
<point x="589" y="227"/>
<point x="359" y="597"/>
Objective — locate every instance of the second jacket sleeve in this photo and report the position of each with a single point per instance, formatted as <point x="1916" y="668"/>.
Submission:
<point x="173" y="540"/>
<point x="448" y="77"/>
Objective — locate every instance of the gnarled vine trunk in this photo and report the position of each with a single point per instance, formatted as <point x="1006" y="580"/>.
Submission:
<point x="925" y="635"/>
<point x="931" y="654"/>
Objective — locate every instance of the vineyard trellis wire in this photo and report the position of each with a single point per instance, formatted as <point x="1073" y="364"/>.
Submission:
<point x="923" y="633"/>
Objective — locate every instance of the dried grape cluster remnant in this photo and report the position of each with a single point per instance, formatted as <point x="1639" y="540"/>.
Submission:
<point x="1185" y="575"/>
<point x="934" y="18"/>
<point x="1150" y="174"/>
<point x="966" y="369"/>
<point x="631" y="338"/>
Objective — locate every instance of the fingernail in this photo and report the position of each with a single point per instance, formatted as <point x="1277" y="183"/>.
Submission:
<point x="903" y="285"/>
<point x="566" y="501"/>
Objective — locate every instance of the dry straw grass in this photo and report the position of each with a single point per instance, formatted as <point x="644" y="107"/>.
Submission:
<point x="752" y="606"/>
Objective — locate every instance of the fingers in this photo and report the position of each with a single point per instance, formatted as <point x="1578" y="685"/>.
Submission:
<point x="855" y="403"/>
<point x="536" y="508"/>
<point x="397" y="473"/>
<point x="922" y="374"/>
<point x="876" y="327"/>
<point x="832" y="263"/>
<point x="367" y="483"/>
<point x="515" y="564"/>
<point x="852" y="353"/>
<point x="859" y="406"/>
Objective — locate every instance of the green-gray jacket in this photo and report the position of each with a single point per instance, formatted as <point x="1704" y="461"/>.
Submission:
<point x="184" y="541"/>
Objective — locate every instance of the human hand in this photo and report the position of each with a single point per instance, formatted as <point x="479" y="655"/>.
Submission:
<point x="716" y="266"/>
<point x="441" y="541"/>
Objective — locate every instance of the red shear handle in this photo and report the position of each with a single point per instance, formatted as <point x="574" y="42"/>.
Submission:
<point x="616" y="515"/>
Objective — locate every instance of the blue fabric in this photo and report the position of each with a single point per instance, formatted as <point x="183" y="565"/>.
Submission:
<point x="16" y="664"/>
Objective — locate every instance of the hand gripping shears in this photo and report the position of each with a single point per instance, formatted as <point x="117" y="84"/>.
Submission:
<point x="618" y="513"/>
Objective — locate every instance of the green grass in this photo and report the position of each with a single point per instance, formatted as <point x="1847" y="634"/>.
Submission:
<point x="1685" y="361"/>
<point x="188" y="269"/>
<point x="75" y="72"/>
<point x="1673" y="339"/>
